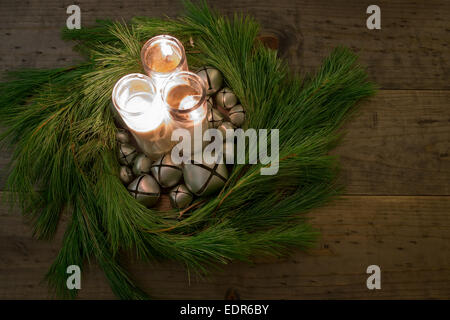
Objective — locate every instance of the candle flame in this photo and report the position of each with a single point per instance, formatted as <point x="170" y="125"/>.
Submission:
<point x="189" y="102"/>
<point x="166" y="49"/>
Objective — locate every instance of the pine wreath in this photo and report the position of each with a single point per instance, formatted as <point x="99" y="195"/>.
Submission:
<point x="61" y="128"/>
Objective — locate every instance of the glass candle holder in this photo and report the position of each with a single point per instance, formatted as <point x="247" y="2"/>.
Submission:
<point x="184" y="95"/>
<point x="136" y="100"/>
<point x="161" y="56"/>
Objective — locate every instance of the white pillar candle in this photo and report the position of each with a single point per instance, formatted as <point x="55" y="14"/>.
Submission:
<point x="184" y="94"/>
<point x="137" y="101"/>
<point x="161" y="57"/>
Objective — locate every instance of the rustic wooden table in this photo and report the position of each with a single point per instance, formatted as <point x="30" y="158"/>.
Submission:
<point x="395" y="156"/>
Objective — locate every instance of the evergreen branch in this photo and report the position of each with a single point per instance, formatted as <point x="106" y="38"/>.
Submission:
<point x="61" y="128"/>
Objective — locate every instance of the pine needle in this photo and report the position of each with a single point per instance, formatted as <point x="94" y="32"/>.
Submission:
<point x="60" y="126"/>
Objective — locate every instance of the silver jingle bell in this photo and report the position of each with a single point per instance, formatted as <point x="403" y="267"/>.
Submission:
<point x="215" y="118"/>
<point x="203" y="179"/>
<point x="210" y="102"/>
<point x="127" y="153"/>
<point x="145" y="190"/>
<point x="226" y="126"/>
<point x="237" y="115"/>
<point x="123" y="136"/>
<point x="225" y="98"/>
<point x="126" y="175"/>
<point x="213" y="79"/>
<point x="142" y="164"/>
<point x="167" y="173"/>
<point x="180" y="197"/>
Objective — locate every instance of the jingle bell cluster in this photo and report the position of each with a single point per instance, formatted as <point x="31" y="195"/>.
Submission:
<point x="146" y="179"/>
<point x="223" y="104"/>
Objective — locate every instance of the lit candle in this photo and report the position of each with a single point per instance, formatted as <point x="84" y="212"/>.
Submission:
<point x="184" y="94"/>
<point x="161" y="56"/>
<point x="136" y="100"/>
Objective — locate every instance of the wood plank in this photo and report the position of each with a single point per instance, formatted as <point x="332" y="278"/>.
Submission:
<point x="408" y="237"/>
<point x="397" y="144"/>
<point x="409" y="52"/>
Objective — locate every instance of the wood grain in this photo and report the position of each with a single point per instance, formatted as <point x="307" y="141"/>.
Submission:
<point x="411" y="50"/>
<point x="395" y="155"/>
<point x="397" y="144"/>
<point x="408" y="237"/>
